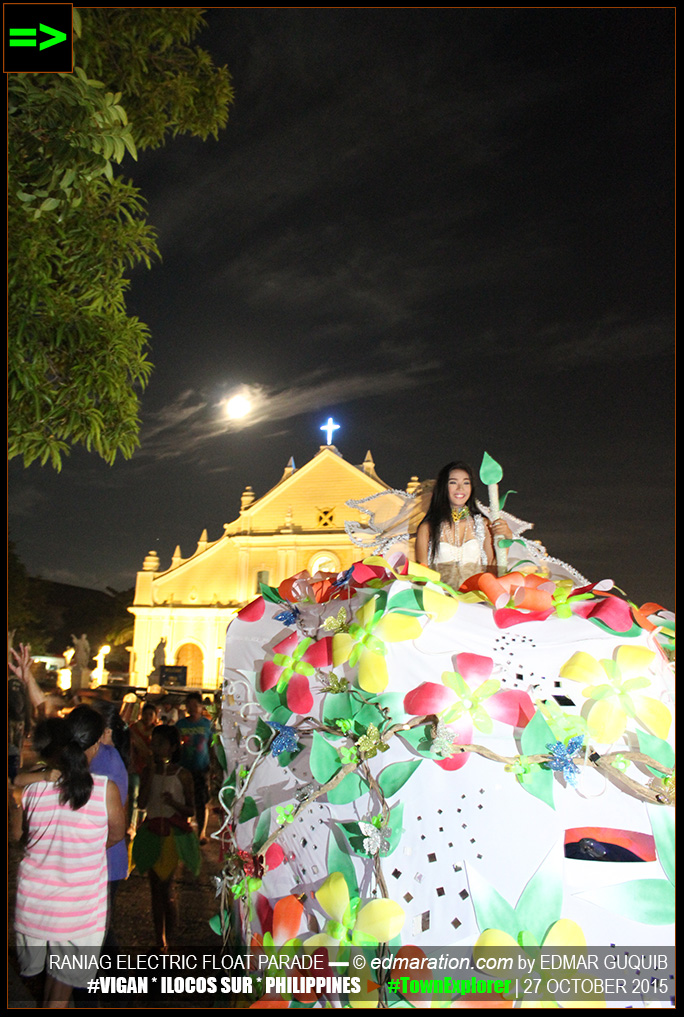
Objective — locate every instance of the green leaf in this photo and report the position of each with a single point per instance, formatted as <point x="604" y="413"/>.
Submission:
<point x="324" y="760"/>
<point x="656" y="748"/>
<point x="491" y="910"/>
<point x="249" y="810"/>
<point x="394" y="776"/>
<point x="420" y="739"/>
<point x="539" y="905"/>
<point x="348" y="790"/>
<point x="339" y="861"/>
<point x="663" y="826"/>
<point x="262" y="830"/>
<point x="490" y="471"/>
<point x="651" y="901"/>
<point x="215" y="922"/>
<point x="263" y="732"/>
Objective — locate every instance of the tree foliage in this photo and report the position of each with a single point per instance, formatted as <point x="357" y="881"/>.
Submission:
<point x="77" y="359"/>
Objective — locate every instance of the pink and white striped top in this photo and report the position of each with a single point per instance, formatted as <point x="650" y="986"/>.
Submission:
<point x="62" y="883"/>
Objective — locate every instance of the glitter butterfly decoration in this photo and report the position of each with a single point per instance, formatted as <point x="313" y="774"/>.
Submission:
<point x="334" y="683"/>
<point x="285" y="740"/>
<point x="443" y="741"/>
<point x="371" y="743"/>
<point x="288" y="617"/>
<point x="562" y="761"/>
<point x="333" y="624"/>
<point x="374" y="837"/>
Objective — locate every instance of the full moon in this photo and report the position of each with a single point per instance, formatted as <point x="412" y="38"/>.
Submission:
<point x="237" y="407"/>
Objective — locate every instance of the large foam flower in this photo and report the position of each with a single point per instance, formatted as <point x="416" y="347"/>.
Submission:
<point x="350" y="921"/>
<point x="364" y="641"/>
<point x="295" y="661"/>
<point x="469" y="696"/>
<point x="613" y="686"/>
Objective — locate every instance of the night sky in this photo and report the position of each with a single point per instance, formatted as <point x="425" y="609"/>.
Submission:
<point x="451" y="230"/>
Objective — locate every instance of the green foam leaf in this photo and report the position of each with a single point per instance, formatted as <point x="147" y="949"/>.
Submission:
<point x="490" y="471"/>
<point x="651" y="901"/>
<point x="394" y="776"/>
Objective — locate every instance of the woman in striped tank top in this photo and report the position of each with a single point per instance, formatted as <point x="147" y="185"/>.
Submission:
<point x="71" y="818"/>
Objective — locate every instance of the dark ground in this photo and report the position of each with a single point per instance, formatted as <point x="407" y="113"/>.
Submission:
<point x="134" y="930"/>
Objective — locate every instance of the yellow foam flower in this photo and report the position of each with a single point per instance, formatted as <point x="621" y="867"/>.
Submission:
<point x="613" y="685"/>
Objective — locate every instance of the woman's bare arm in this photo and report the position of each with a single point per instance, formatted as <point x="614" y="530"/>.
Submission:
<point x="116" y="817"/>
<point x="422" y="543"/>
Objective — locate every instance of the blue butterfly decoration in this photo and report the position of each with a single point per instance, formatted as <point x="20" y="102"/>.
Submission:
<point x="288" y="617"/>
<point x="285" y="740"/>
<point x="343" y="578"/>
<point x="562" y="759"/>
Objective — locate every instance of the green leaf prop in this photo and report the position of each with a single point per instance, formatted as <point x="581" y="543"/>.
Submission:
<point x="268" y="701"/>
<point x="263" y="732"/>
<point x="407" y="602"/>
<point x="491" y="910"/>
<point x="540" y="903"/>
<point x="249" y="810"/>
<point x="502" y="502"/>
<point x="219" y="751"/>
<point x="394" y="776"/>
<point x="533" y="741"/>
<point x="420" y="740"/>
<point x="538" y="906"/>
<point x="340" y="861"/>
<point x="490" y="471"/>
<point x="215" y="923"/>
<point x="281" y="715"/>
<point x="226" y="793"/>
<point x="394" y="702"/>
<point x="270" y="593"/>
<point x="348" y="790"/>
<point x="262" y="830"/>
<point x="367" y="715"/>
<point x="338" y="706"/>
<point x="657" y="749"/>
<point x="396" y="827"/>
<point x="663" y="826"/>
<point x="324" y="760"/>
<point x="651" y="901"/>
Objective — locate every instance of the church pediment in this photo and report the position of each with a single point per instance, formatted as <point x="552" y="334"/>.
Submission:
<point x="310" y="499"/>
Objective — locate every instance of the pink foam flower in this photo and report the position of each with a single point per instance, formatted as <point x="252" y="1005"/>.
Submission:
<point x="469" y="697"/>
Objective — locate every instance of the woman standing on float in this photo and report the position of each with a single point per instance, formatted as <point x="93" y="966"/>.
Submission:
<point x="454" y="537"/>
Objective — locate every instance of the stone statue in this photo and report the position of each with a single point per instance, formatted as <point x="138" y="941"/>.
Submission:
<point x="80" y="672"/>
<point x="159" y="655"/>
<point x="81" y="656"/>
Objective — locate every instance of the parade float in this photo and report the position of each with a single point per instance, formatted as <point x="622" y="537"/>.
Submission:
<point x="412" y="767"/>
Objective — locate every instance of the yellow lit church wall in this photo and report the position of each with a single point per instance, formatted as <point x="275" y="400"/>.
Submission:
<point x="298" y="525"/>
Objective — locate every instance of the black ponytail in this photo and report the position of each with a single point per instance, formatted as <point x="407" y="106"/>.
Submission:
<point x="113" y="720"/>
<point x="84" y="728"/>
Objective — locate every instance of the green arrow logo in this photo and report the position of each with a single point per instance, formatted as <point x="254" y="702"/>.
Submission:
<point x="27" y="37"/>
<point x="57" y="36"/>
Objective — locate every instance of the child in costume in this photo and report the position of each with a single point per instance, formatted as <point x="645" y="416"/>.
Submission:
<point x="166" y="837"/>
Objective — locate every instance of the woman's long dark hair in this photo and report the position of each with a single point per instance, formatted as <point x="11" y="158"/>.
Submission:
<point x="440" y="507"/>
<point x="120" y="734"/>
<point x="84" y="728"/>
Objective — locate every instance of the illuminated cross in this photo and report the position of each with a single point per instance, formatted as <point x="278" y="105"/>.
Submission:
<point x="329" y="428"/>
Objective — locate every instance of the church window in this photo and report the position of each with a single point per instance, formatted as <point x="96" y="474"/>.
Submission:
<point x="261" y="577"/>
<point x="325" y="517"/>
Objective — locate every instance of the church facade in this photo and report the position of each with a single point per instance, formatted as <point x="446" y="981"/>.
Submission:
<point x="181" y="612"/>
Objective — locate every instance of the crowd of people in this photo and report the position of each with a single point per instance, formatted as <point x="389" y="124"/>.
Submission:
<point x="94" y="799"/>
